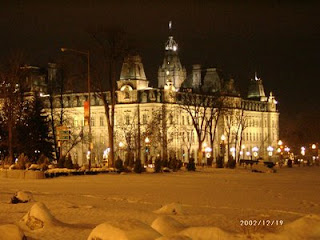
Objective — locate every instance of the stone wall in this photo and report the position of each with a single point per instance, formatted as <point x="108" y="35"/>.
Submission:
<point x="21" y="174"/>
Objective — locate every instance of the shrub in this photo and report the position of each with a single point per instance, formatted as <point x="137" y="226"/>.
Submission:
<point x="165" y="163"/>
<point x="61" y="162"/>
<point x="43" y="159"/>
<point x="22" y="160"/>
<point x="219" y="162"/>
<point x="138" y="168"/>
<point x="119" y="165"/>
<point x="231" y="163"/>
<point x="191" y="166"/>
<point x="68" y="162"/>
<point x="157" y="165"/>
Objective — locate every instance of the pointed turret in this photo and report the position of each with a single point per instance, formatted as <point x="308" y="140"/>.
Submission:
<point x="132" y="73"/>
<point x="256" y="89"/>
<point x="171" y="67"/>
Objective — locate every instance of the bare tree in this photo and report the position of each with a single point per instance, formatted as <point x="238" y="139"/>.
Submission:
<point x="110" y="47"/>
<point x="216" y="108"/>
<point x="12" y="94"/>
<point x="128" y="130"/>
<point x="197" y="107"/>
<point x="242" y="124"/>
<point x="187" y="140"/>
<point x="61" y="76"/>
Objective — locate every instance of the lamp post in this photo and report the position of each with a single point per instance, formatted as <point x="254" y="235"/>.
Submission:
<point x="270" y="152"/>
<point x="208" y="151"/>
<point x="255" y="151"/>
<point x="233" y="152"/>
<point x="147" y="141"/>
<point x="86" y="53"/>
<point x="121" y="145"/>
<point x="314" y="150"/>
<point x="223" y="138"/>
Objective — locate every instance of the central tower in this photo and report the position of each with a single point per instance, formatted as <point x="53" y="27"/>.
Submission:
<point x="171" y="70"/>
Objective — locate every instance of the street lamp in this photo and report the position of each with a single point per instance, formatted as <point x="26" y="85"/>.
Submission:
<point x="86" y="53"/>
<point x="270" y="152"/>
<point x="147" y="141"/>
<point x="121" y="145"/>
<point x="255" y="151"/>
<point x="233" y="151"/>
<point x="208" y="151"/>
<point x="223" y="138"/>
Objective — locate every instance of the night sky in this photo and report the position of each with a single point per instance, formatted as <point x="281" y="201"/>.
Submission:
<point x="278" y="39"/>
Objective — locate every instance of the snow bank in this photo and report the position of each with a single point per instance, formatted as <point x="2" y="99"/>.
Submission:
<point x="60" y="170"/>
<point x="22" y="197"/>
<point x="167" y="225"/>
<point x="34" y="167"/>
<point x="38" y="216"/>
<point x="11" y="232"/>
<point x="262" y="169"/>
<point x="307" y="227"/>
<point x="172" y="208"/>
<point x="201" y="233"/>
<point x="123" y="230"/>
<point x="176" y="237"/>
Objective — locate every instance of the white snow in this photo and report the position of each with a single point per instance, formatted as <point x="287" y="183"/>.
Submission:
<point x="24" y="196"/>
<point x="167" y="226"/>
<point x="124" y="230"/>
<point x="209" y="202"/>
<point x="10" y="232"/>
<point x="172" y="208"/>
<point x="199" y="233"/>
<point x="260" y="168"/>
<point x="38" y="216"/>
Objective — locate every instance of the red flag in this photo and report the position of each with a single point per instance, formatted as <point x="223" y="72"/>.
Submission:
<point x="86" y="110"/>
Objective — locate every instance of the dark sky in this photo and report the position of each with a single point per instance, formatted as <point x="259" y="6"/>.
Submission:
<point x="278" y="39"/>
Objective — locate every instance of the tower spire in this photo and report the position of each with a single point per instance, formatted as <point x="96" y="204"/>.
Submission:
<point x="171" y="43"/>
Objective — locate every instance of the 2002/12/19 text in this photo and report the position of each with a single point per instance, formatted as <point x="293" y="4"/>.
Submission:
<point x="261" y="222"/>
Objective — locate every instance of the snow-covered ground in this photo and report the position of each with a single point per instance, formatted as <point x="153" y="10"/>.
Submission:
<point x="207" y="204"/>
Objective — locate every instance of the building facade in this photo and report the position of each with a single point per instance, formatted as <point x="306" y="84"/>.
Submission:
<point x="155" y="122"/>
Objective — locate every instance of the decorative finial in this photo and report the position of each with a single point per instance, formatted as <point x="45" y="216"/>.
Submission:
<point x="170" y="25"/>
<point x="255" y="76"/>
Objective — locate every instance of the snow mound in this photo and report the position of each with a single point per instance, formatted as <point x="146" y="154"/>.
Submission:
<point x="176" y="237"/>
<point x="34" y="167"/>
<point x="261" y="169"/>
<point x="123" y="230"/>
<point x="11" y="231"/>
<point x="172" y="208"/>
<point x="150" y="170"/>
<point x="167" y="225"/>
<point x="38" y="216"/>
<point x="307" y="227"/>
<point x="22" y="197"/>
<point x="60" y="170"/>
<point x="202" y="233"/>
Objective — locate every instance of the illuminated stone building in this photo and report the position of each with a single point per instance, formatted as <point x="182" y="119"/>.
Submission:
<point x="154" y="116"/>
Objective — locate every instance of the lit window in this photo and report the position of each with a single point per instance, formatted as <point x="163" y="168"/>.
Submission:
<point x="92" y="122"/>
<point x="101" y="121"/>
<point x="128" y="120"/>
<point x="144" y="119"/>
